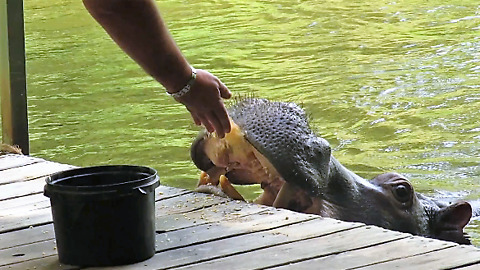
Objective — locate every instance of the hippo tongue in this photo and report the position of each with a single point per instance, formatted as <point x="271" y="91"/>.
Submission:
<point x="280" y="132"/>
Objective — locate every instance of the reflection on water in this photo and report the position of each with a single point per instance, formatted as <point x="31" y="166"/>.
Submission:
<point x="394" y="86"/>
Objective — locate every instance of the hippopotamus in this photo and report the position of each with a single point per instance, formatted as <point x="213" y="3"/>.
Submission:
<point x="272" y="144"/>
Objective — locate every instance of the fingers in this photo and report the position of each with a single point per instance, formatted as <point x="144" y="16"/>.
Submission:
<point x="195" y="118"/>
<point x="221" y="112"/>
<point x="216" y="123"/>
<point x="206" y="123"/>
<point x="221" y="125"/>
<point x="224" y="120"/>
<point x="224" y="92"/>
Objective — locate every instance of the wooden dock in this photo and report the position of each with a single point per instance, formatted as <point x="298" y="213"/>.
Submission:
<point x="197" y="231"/>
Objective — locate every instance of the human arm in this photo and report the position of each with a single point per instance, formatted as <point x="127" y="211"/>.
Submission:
<point x="137" y="27"/>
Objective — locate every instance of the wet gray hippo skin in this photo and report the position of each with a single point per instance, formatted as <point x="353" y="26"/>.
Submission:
<point x="296" y="170"/>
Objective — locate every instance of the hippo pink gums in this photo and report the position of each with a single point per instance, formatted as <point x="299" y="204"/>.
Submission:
<point x="271" y="144"/>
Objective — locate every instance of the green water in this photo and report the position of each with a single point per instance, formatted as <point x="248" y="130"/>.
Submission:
<point x="394" y="86"/>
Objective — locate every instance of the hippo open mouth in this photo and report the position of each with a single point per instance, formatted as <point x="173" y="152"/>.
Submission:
<point x="234" y="160"/>
<point x="271" y="144"/>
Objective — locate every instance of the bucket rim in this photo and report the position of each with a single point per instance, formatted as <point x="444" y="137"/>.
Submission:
<point x="53" y="181"/>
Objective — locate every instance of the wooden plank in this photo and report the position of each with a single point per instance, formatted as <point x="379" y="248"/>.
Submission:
<point x="186" y="203"/>
<point x="13" y="188"/>
<point x="32" y="171"/>
<point x="23" y="204"/>
<point x="167" y="222"/>
<point x="45" y="263"/>
<point x="27" y="252"/>
<point x="164" y="192"/>
<point x="21" y="220"/>
<point x="241" y="244"/>
<point x="371" y="255"/>
<point x="475" y="266"/>
<point x="12" y="160"/>
<point x="229" y="227"/>
<point x="448" y="258"/>
<point x="25" y="220"/>
<point x="18" y="189"/>
<point x="26" y="236"/>
<point x="293" y="251"/>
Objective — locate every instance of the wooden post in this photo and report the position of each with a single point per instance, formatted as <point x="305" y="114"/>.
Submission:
<point x="12" y="75"/>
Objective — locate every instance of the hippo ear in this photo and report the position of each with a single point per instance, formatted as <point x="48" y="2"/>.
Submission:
<point x="451" y="220"/>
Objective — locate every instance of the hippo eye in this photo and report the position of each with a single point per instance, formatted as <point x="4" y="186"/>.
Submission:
<point x="402" y="192"/>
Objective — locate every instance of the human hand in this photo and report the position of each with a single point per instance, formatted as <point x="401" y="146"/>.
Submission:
<point x="205" y="104"/>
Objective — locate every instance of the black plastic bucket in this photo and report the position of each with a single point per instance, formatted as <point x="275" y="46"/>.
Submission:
<point x="104" y="215"/>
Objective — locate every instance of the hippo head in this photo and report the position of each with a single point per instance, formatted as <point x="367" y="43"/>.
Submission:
<point x="271" y="144"/>
<point x="401" y="208"/>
